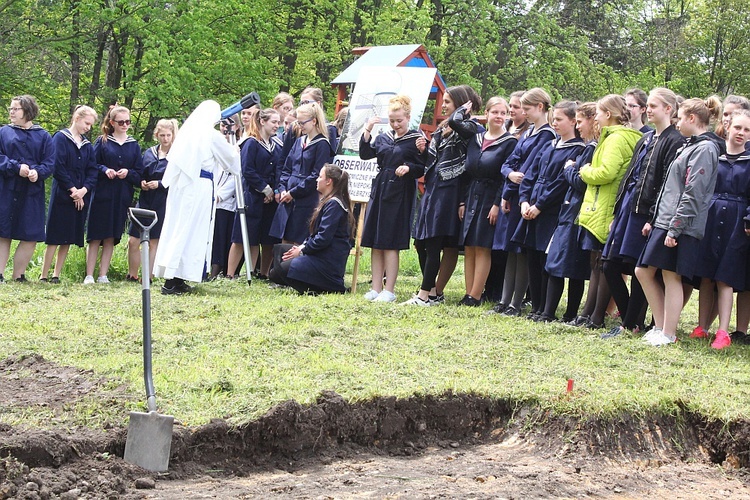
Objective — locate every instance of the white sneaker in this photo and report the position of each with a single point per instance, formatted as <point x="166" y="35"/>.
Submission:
<point x="88" y="280"/>
<point x="662" y="339"/>
<point x="385" y="296"/>
<point x="651" y="334"/>
<point x="371" y="295"/>
<point x="416" y="301"/>
<point x="103" y="279"/>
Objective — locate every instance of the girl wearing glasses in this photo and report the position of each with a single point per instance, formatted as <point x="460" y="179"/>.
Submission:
<point x="27" y="157"/>
<point x="636" y="101"/>
<point x="118" y="158"/>
<point x="297" y="196"/>
<point x="74" y="181"/>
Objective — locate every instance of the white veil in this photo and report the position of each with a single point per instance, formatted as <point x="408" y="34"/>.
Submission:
<point x="192" y="145"/>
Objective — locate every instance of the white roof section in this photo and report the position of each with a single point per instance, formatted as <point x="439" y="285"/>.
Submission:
<point x="387" y="55"/>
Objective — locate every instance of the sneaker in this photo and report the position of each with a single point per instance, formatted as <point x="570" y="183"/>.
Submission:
<point x="436" y="300"/>
<point x="651" y="334"/>
<point x="698" y="333"/>
<point x="55" y="280"/>
<point x="385" y="296"/>
<point x="613" y="332"/>
<point x="722" y="340"/>
<point x="88" y="280"/>
<point x="470" y="301"/>
<point x="103" y="280"/>
<point x="660" y="338"/>
<point x="416" y="301"/>
<point x="511" y="311"/>
<point x="371" y="295"/>
<point x="579" y="321"/>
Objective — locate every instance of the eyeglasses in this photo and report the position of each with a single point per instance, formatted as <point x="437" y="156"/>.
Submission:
<point x="13" y="110"/>
<point x="122" y="123"/>
<point x="300" y="123"/>
<point x="307" y="101"/>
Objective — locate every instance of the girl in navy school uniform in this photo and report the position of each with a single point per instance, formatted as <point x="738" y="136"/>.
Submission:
<point x="633" y="207"/>
<point x="516" y="125"/>
<point x="390" y="208"/>
<point x="637" y="102"/>
<point x="153" y="195"/>
<point x="297" y="197"/>
<point x="536" y="104"/>
<point x="225" y="197"/>
<point x="74" y="181"/>
<point x="541" y="195"/>
<point x="680" y="219"/>
<point x="481" y="205"/>
<point x="120" y="164"/>
<point x="438" y="225"/>
<point x="283" y="103"/>
<point x="27" y="158"/>
<point x="319" y="264"/>
<point x="259" y="156"/>
<point x="602" y="176"/>
<point x="724" y="247"/>
<point x="565" y="257"/>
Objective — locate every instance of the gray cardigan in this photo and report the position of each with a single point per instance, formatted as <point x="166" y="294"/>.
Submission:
<point x="682" y="206"/>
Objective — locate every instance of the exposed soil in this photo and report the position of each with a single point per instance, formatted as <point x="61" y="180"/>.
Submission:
<point x="430" y="447"/>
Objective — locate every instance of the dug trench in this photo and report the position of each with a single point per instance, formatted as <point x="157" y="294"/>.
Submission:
<point x="406" y="443"/>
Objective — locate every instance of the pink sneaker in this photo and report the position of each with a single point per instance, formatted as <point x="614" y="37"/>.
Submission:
<point x="699" y="333"/>
<point x="722" y="340"/>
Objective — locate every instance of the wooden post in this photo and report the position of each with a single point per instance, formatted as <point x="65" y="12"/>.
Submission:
<point x="357" y="248"/>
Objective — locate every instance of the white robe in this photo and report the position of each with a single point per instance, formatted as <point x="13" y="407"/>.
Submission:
<point x="186" y="237"/>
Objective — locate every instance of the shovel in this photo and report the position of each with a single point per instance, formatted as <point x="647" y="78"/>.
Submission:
<point x="149" y="434"/>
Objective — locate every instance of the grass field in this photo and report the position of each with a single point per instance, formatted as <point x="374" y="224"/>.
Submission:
<point x="234" y="351"/>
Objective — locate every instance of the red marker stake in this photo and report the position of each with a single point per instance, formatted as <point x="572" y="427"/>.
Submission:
<point x="570" y="385"/>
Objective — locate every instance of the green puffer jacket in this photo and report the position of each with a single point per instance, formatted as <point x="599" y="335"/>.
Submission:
<point x="602" y="177"/>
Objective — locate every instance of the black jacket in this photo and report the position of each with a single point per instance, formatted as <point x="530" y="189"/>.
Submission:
<point x="651" y="176"/>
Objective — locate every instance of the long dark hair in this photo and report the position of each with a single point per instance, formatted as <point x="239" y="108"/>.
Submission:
<point x="340" y="180"/>
<point x="460" y="95"/>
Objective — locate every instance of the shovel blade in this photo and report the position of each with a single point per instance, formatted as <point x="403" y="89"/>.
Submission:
<point x="149" y="440"/>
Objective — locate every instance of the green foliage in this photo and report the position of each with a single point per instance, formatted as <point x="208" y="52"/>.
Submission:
<point x="162" y="58"/>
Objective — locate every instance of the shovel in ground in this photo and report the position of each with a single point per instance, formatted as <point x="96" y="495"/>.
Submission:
<point x="149" y="434"/>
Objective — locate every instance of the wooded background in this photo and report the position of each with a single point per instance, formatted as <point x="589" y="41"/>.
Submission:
<point x="162" y="58"/>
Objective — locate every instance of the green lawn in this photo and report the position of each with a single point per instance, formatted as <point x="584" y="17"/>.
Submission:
<point x="234" y="351"/>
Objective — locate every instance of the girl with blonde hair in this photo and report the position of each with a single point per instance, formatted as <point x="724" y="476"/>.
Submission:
<point x="390" y="208"/>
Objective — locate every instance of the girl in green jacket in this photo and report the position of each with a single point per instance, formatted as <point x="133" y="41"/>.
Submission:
<point x="602" y="177"/>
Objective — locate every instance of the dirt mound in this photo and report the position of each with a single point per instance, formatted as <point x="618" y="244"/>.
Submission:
<point x="295" y="439"/>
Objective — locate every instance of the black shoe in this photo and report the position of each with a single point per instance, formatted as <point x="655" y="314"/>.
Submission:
<point x="533" y="315"/>
<point x="178" y="288"/>
<point x="579" y="321"/>
<point x="498" y="308"/>
<point x="511" y="311"/>
<point x="566" y="320"/>
<point x="132" y="279"/>
<point x="593" y="326"/>
<point x="470" y="301"/>
<point x="44" y="280"/>
<point x="2" y="279"/>
<point x="543" y="318"/>
<point x="739" y="337"/>
<point x="55" y="280"/>
<point x="21" y="279"/>
<point x="261" y="277"/>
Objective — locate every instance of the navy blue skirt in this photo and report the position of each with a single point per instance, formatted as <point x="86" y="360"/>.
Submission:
<point x="223" y="221"/>
<point x="565" y="257"/>
<point x="681" y="259"/>
<point x="587" y="241"/>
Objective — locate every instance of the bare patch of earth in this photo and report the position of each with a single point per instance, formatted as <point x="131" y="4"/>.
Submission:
<point x="452" y="446"/>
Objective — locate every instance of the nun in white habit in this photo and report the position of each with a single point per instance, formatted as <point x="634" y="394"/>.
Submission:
<point x="192" y="171"/>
